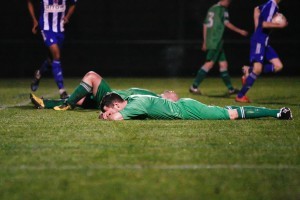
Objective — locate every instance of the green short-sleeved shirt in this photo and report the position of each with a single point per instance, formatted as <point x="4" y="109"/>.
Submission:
<point x="142" y="107"/>
<point x="132" y="91"/>
<point x="104" y="88"/>
<point x="216" y="16"/>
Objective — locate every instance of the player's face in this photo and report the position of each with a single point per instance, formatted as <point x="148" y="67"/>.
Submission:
<point x="226" y="3"/>
<point x="114" y="109"/>
<point x="111" y="110"/>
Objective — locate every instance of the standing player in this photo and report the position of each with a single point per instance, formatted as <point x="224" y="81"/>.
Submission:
<point x="262" y="55"/>
<point x="51" y="23"/>
<point x="213" y="28"/>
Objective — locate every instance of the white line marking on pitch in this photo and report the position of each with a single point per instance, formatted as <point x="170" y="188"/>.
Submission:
<point x="154" y="167"/>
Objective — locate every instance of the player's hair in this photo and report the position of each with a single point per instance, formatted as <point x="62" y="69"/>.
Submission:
<point x="109" y="99"/>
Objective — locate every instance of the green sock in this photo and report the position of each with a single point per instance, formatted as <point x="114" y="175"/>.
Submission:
<point x="81" y="91"/>
<point x="250" y="112"/>
<point x="226" y="79"/>
<point x="199" y="77"/>
<point x="50" y="103"/>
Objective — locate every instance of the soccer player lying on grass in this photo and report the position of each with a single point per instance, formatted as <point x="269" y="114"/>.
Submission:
<point x="114" y="107"/>
<point x="89" y="93"/>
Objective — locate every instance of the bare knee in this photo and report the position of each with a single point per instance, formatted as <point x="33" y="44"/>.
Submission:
<point x="208" y="65"/>
<point x="92" y="77"/>
<point x="278" y="67"/>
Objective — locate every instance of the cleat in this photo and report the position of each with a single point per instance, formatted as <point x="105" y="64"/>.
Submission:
<point x="233" y="91"/>
<point x="285" y="114"/>
<point x="38" y="102"/>
<point x="194" y="90"/>
<point x="243" y="99"/>
<point x="63" y="107"/>
<point x="36" y="80"/>
<point x="64" y="95"/>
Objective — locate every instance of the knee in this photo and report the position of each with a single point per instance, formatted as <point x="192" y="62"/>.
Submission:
<point x="208" y="65"/>
<point x="278" y="67"/>
<point x="91" y="75"/>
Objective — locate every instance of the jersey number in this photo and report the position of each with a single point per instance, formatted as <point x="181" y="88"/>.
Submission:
<point x="210" y="18"/>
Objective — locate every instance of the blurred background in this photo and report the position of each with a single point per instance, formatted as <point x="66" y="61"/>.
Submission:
<point x="134" y="38"/>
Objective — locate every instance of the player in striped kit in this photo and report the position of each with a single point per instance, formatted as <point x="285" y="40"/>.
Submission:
<point x="53" y="17"/>
<point x="262" y="56"/>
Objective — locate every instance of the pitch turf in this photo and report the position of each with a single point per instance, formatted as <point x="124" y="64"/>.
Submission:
<point x="45" y="154"/>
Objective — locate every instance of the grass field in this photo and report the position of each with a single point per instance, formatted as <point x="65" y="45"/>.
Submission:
<point x="45" y="154"/>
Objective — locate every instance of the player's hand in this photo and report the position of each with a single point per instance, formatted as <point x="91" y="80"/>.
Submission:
<point x="105" y="115"/>
<point x="34" y="27"/>
<point x="66" y="20"/>
<point x="283" y="25"/>
<point x="243" y="33"/>
<point x="203" y="46"/>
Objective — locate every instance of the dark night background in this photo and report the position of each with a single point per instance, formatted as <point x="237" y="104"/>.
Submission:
<point x="139" y="38"/>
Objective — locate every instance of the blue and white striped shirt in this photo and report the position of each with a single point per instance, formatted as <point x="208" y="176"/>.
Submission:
<point x="52" y="13"/>
<point x="267" y="11"/>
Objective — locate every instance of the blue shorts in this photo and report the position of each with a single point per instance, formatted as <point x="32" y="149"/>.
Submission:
<point x="51" y="38"/>
<point x="259" y="52"/>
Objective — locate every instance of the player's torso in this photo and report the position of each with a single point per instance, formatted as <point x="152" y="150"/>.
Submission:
<point x="52" y="13"/>
<point x="153" y="107"/>
<point x="214" y="21"/>
<point x="267" y="11"/>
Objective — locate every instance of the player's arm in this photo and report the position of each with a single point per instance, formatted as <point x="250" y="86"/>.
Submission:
<point x="256" y="15"/>
<point x="274" y="25"/>
<point x="235" y="29"/>
<point x="32" y="14"/>
<point x="70" y="12"/>
<point x="204" y="37"/>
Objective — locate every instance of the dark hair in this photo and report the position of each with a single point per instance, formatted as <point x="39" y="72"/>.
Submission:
<point x="109" y="99"/>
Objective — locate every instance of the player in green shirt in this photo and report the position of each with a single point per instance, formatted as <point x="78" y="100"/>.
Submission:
<point x="89" y="93"/>
<point x="216" y="20"/>
<point x="114" y="107"/>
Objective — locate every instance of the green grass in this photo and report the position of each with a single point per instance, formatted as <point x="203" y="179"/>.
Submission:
<point x="45" y="154"/>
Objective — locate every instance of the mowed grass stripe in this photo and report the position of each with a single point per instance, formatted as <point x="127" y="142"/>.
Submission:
<point x="155" y="167"/>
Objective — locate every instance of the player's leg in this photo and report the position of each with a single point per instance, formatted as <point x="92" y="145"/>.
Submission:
<point x="39" y="72"/>
<point x="274" y="64"/>
<point x="91" y="83"/>
<point x="211" y="56"/>
<point x="257" y="55"/>
<point x="225" y="74"/>
<point x="55" y="50"/>
<point x="241" y="97"/>
<point x="41" y="103"/>
<point x="251" y="112"/>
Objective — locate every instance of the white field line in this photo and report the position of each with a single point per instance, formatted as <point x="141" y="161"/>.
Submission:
<point x="24" y="103"/>
<point x="154" y="167"/>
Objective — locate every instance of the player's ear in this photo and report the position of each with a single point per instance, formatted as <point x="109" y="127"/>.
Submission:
<point x="116" y="105"/>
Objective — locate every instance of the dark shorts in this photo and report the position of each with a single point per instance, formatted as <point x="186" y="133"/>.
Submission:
<point x="51" y="38"/>
<point x="93" y="102"/>
<point x="216" y="55"/>
<point x="259" y="52"/>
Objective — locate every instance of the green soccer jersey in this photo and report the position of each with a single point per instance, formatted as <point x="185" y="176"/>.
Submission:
<point x="142" y="107"/>
<point x="104" y="88"/>
<point x="216" y="16"/>
<point x="132" y="91"/>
